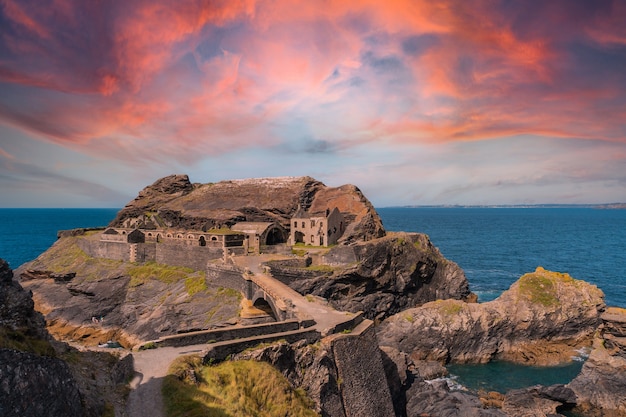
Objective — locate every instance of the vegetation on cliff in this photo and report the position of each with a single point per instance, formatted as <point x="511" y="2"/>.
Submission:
<point x="232" y="388"/>
<point x="130" y="302"/>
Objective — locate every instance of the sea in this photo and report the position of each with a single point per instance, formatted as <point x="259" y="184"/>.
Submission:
<point x="494" y="246"/>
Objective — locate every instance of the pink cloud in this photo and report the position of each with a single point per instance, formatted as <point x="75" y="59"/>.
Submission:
<point x="134" y="74"/>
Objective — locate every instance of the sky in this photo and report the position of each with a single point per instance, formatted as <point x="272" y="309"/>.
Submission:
<point x="417" y="102"/>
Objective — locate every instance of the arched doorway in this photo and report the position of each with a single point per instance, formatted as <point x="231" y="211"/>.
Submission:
<point x="274" y="237"/>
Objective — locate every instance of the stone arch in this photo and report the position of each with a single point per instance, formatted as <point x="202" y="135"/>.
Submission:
<point x="275" y="236"/>
<point x="299" y="237"/>
<point x="180" y="236"/>
<point x="169" y="235"/>
<point x="265" y="303"/>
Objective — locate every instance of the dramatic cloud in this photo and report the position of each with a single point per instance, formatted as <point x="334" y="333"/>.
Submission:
<point x="158" y="86"/>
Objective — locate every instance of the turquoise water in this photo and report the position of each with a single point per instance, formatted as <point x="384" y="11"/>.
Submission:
<point x="505" y="376"/>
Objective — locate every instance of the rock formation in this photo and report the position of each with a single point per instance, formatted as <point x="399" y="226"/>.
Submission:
<point x="384" y="276"/>
<point x="542" y="319"/>
<point x="33" y="382"/>
<point x="174" y="202"/>
<point x="109" y="300"/>
<point x="601" y="383"/>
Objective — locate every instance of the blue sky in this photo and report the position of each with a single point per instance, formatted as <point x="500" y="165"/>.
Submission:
<point x="415" y="102"/>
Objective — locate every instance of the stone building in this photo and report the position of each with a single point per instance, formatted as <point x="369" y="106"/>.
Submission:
<point x="317" y="229"/>
<point x="260" y="234"/>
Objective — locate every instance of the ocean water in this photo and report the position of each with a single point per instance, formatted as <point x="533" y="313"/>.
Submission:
<point x="494" y="246"/>
<point x="26" y="233"/>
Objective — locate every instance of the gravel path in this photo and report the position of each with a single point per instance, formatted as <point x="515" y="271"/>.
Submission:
<point x="145" y="399"/>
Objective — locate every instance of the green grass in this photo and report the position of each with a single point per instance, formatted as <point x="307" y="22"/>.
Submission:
<point x="17" y="340"/>
<point x="140" y="273"/>
<point x="540" y="286"/>
<point x="229" y="292"/>
<point x="320" y="268"/>
<point x="237" y="388"/>
<point x="195" y="284"/>
<point x="449" y="307"/>
<point x="299" y="252"/>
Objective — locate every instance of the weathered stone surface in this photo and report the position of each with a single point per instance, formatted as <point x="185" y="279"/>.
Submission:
<point x="539" y="311"/>
<point x="35" y="386"/>
<point x="538" y="401"/>
<point x="31" y="383"/>
<point x="601" y="383"/>
<point x="174" y="202"/>
<point x="384" y="276"/>
<point x="435" y="399"/>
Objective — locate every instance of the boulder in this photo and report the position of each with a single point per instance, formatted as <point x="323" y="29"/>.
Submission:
<point x="542" y="319"/>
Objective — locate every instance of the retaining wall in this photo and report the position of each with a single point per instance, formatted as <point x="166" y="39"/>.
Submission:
<point x="221" y="350"/>
<point x="229" y="333"/>
<point x="364" y="388"/>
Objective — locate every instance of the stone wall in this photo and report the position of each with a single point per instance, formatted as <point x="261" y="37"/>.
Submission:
<point x="229" y="333"/>
<point x="222" y="350"/>
<point x="291" y="270"/>
<point x="227" y="276"/>
<point x="195" y="257"/>
<point x="118" y="251"/>
<point x="363" y="386"/>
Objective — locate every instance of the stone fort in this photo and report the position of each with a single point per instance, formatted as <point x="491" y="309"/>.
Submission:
<point x="194" y="248"/>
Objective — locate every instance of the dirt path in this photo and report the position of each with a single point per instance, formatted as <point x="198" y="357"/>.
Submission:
<point x="145" y="399"/>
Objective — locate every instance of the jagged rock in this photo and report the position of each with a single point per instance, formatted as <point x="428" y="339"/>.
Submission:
<point x="538" y="401"/>
<point x="32" y="383"/>
<point x="541" y="310"/>
<point x="384" y="276"/>
<point x="601" y="383"/>
<point x="174" y="202"/>
<point x="35" y="386"/>
<point x="16" y="308"/>
<point x="435" y="399"/>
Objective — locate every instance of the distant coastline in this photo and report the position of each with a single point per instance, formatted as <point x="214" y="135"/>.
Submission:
<point x="605" y="206"/>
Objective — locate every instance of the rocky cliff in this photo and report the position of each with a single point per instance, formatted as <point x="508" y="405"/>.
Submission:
<point x="384" y="276"/>
<point x="601" y="383"/>
<point x="95" y="300"/>
<point x="40" y="376"/>
<point x="542" y="319"/>
<point x="173" y="201"/>
<point x="33" y="382"/>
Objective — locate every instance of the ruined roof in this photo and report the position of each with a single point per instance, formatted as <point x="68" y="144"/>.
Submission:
<point x="252" y="227"/>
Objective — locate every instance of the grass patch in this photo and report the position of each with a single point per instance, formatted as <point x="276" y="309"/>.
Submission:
<point x="298" y="252"/>
<point x="229" y="292"/>
<point x="449" y="307"/>
<point x="239" y="388"/>
<point x="17" y="340"/>
<point x="139" y="274"/>
<point x="223" y="231"/>
<point x="195" y="284"/>
<point x="539" y="287"/>
<point x="320" y="268"/>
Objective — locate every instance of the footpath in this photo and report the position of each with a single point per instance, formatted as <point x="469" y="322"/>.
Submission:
<point x="151" y="365"/>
